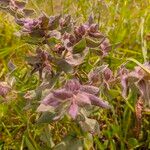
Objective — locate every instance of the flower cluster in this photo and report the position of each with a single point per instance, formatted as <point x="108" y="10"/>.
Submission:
<point x="62" y="45"/>
<point x="16" y="7"/>
<point x="65" y="39"/>
<point x="76" y="95"/>
<point x="40" y="27"/>
<point x="64" y="49"/>
<point x="59" y="33"/>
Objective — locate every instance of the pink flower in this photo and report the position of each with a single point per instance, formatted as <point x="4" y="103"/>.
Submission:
<point x="139" y="78"/>
<point x="77" y="95"/>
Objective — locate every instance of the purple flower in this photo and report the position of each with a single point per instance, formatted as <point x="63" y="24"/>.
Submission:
<point x="65" y="22"/>
<point x="101" y="76"/>
<point x="28" y="24"/>
<point x="139" y="78"/>
<point x="123" y="75"/>
<point x="77" y="95"/>
<point x="4" y="89"/>
<point x="105" y="46"/>
<point x="39" y="62"/>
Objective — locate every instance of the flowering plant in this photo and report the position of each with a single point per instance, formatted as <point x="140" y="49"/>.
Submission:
<point x="69" y="75"/>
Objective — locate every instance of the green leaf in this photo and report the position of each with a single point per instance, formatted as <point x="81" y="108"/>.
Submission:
<point x="91" y="43"/>
<point x="52" y="41"/>
<point x="29" y="144"/>
<point x="64" y="66"/>
<point x="101" y="68"/>
<point x="31" y="40"/>
<point x="32" y="60"/>
<point x="54" y="22"/>
<point x="90" y="125"/>
<point x="3" y="110"/>
<point x="88" y="141"/>
<point x="70" y="143"/>
<point x="46" y="137"/>
<point x="113" y="93"/>
<point x="1" y="145"/>
<point x="146" y="111"/>
<point x="112" y="145"/>
<point x="96" y="51"/>
<point x="46" y="117"/>
<point x="79" y="47"/>
<point x="44" y="21"/>
<point x="133" y="143"/>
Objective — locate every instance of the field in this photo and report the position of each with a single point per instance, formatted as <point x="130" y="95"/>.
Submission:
<point x="77" y="80"/>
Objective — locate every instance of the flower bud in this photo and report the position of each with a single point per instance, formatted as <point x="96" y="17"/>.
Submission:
<point x="93" y="28"/>
<point x="59" y="48"/>
<point x="108" y="74"/>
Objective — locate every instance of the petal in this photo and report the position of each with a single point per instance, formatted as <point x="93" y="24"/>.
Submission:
<point x="20" y="5"/>
<point x="96" y="35"/>
<point x="76" y="59"/>
<point x="108" y="75"/>
<point x="62" y="94"/>
<point x="144" y="88"/>
<point x="47" y="99"/>
<point x="95" y="76"/>
<point x="90" y="89"/>
<point x="51" y="100"/>
<point x="72" y="85"/>
<point x="98" y="102"/>
<point x="55" y="34"/>
<point x="54" y="103"/>
<point x="67" y="44"/>
<point x="82" y="99"/>
<point x="105" y="44"/>
<point x="73" y="110"/>
<point x="28" y="12"/>
<point x="135" y="76"/>
<point x="124" y="83"/>
<point x="43" y="108"/>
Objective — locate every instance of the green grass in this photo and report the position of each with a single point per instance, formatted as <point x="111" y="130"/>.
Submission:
<point x="125" y="22"/>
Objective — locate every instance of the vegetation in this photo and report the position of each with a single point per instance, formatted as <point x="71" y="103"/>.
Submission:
<point x="74" y="74"/>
